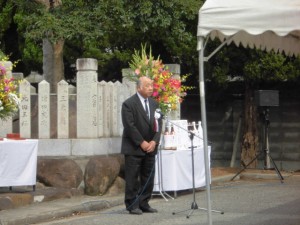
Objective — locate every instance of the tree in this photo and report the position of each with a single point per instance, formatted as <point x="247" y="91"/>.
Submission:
<point x="106" y="30"/>
<point x="52" y="23"/>
<point x="256" y="67"/>
<point x="263" y="67"/>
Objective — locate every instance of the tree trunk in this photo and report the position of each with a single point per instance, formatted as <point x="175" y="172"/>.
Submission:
<point x="250" y="138"/>
<point x="53" y="65"/>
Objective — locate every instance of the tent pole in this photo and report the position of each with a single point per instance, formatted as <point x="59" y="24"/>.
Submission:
<point x="204" y="126"/>
<point x="218" y="48"/>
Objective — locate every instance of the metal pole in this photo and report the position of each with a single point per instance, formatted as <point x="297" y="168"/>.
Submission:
<point x="267" y="149"/>
<point x="203" y="118"/>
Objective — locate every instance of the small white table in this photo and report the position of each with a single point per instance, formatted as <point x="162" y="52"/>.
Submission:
<point x="18" y="162"/>
<point x="176" y="169"/>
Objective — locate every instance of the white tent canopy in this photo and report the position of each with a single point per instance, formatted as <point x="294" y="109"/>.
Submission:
<point x="262" y="24"/>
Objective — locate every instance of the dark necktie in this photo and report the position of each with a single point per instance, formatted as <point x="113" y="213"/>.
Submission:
<point x="146" y="108"/>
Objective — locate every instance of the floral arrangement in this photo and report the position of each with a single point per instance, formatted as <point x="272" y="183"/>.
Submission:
<point x="9" y="98"/>
<point x="168" y="90"/>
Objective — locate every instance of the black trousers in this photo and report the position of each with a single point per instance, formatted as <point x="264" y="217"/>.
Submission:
<point x="139" y="178"/>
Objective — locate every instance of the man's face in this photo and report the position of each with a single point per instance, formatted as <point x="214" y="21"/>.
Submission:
<point x="146" y="87"/>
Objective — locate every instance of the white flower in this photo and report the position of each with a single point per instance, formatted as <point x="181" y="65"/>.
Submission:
<point x="157" y="115"/>
<point x="14" y="98"/>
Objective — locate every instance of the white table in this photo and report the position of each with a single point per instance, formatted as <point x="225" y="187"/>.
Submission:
<point x="177" y="170"/>
<point x="18" y="162"/>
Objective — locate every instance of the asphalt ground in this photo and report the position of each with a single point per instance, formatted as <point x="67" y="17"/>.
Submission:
<point x="254" y="198"/>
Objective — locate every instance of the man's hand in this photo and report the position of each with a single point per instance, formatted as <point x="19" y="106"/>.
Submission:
<point x="148" y="146"/>
<point x="152" y="146"/>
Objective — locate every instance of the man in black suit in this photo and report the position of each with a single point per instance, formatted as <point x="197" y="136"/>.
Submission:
<point x="140" y="140"/>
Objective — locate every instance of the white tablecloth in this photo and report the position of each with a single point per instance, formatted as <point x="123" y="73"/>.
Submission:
<point x="18" y="162"/>
<point x="177" y="170"/>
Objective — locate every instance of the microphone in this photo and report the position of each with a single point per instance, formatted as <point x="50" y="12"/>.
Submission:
<point x="158" y="111"/>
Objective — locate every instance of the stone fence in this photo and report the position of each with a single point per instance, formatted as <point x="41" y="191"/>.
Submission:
<point x="91" y="110"/>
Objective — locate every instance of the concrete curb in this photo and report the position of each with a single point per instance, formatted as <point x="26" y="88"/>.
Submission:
<point x="57" y="209"/>
<point x="225" y="178"/>
<point x="47" y="211"/>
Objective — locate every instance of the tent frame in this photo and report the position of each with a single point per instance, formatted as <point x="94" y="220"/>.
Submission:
<point x="254" y="30"/>
<point x="203" y="59"/>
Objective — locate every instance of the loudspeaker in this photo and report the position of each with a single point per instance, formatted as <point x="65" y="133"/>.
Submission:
<point x="267" y="97"/>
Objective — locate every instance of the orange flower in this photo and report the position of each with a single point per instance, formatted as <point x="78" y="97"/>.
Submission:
<point x="168" y="91"/>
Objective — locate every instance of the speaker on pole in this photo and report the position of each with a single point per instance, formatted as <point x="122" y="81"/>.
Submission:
<point x="266" y="97"/>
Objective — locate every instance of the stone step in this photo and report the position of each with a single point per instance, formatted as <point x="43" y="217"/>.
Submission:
<point x="22" y="196"/>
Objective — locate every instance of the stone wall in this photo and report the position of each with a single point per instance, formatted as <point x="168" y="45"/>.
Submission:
<point x="94" y="175"/>
<point x="89" y="113"/>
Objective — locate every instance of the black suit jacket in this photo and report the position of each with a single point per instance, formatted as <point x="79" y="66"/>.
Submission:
<point x="137" y="126"/>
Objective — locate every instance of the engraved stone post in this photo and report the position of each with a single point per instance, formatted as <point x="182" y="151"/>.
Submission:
<point x="175" y="70"/>
<point x="128" y="89"/>
<point x="107" y="110"/>
<point x="18" y="76"/>
<point x="115" y="120"/>
<point x="87" y="104"/>
<point x="123" y="95"/>
<point x="8" y="67"/>
<point x="101" y="86"/>
<point x="44" y="109"/>
<point x="6" y="125"/>
<point x="25" y="109"/>
<point x="131" y="86"/>
<point x="62" y="109"/>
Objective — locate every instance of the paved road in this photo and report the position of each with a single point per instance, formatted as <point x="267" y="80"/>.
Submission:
<point x="258" y="202"/>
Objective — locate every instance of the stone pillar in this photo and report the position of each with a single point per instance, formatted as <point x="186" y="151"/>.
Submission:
<point x="62" y="109"/>
<point x="123" y="95"/>
<point x="25" y="109"/>
<point x="107" y="113"/>
<point x="101" y="86"/>
<point x="44" y="109"/>
<point x="87" y="102"/>
<point x="130" y="85"/>
<point x="115" y="120"/>
<point x="6" y="125"/>
<point x="175" y="70"/>
<point x="8" y="66"/>
<point x="18" y="76"/>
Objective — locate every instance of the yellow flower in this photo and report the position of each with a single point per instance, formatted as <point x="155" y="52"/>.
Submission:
<point x="167" y="90"/>
<point x="9" y="98"/>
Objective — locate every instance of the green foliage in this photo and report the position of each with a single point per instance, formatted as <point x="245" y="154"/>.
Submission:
<point x="108" y="30"/>
<point x="271" y="67"/>
<point x="5" y="16"/>
<point x="254" y="66"/>
<point x="1" y="55"/>
<point x="68" y="21"/>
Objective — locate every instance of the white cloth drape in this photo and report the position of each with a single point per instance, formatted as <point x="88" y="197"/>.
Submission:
<point x="18" y="162"/>
<point x="177" y="170"/>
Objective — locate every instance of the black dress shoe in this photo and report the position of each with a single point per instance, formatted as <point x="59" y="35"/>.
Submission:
<point x="136" y="211"/>
<point x="149" y="210"/>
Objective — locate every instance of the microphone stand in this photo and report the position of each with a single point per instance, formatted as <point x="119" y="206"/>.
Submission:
<point x="160" y="174"/>
<point x="194" y="205"/>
